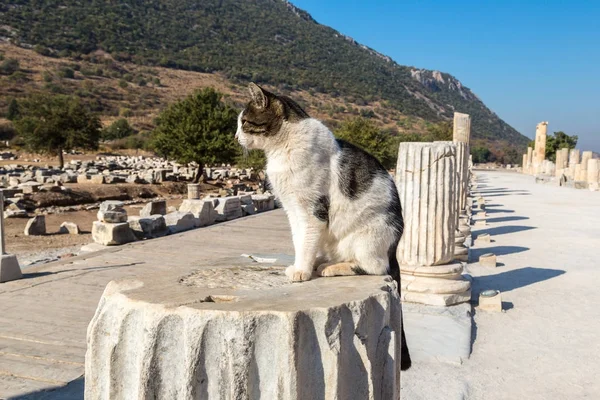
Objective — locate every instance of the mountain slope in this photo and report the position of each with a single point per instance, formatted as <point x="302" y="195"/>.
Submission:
<point x="268" y="41"/>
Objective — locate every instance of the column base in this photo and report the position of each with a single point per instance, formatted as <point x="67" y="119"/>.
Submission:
<point x="440" y="285"/>
<point x="9" y="268"/>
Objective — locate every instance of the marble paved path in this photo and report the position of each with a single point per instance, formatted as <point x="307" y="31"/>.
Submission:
<point x="44" y="317"/>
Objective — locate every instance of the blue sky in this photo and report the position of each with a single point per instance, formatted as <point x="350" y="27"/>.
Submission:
<point x="529" y="61"/>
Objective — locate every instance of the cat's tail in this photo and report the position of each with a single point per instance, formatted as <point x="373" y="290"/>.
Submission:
<point x="405" y="361"/>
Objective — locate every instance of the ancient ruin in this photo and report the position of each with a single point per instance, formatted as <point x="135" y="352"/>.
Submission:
<point x="245" y="333"/>
<point x="426" y="176"/>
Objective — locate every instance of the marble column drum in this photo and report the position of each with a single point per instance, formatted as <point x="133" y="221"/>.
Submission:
<point x="425" y="176"/>
<point x="462" y="127"/>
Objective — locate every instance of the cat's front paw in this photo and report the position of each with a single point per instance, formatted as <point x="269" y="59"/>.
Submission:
<point x="297" y="276"/>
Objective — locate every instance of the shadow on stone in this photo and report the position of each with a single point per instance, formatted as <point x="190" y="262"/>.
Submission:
<point x="29" y="275"/>
<point x="503" y="230"/>
<point x="71" y="391"/>
<point x="497" y="210"/>
<point x="506" y="219"/>
<point x="498" y="250"/>
<point x="515" y="279"/>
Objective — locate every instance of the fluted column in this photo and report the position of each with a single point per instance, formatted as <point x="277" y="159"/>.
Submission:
<point x="462" y="137"/>
<point x="539" y="154"/>
<point x="593" y="171"/>
<point x="529" y="161"/>
<point x="426" y="178"/>
<point x="585" y="157"/>
<point x="462" y="128"/>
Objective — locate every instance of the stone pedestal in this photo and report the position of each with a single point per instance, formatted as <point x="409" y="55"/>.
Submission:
<point x="245" y="333"/>
<point x="426" y="177"/>
<point x="193" y="191"/>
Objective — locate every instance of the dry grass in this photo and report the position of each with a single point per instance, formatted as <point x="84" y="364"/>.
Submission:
<point x="145" y="102"/>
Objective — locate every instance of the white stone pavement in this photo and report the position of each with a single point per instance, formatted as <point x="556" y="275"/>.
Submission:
<point x="545" y="346"/>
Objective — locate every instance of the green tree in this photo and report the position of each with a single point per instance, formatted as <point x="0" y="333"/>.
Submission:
<point x="254" y="159"/>
<point x="9" y="66"/>
<point x="365" y="134"/>
<point x="481" y="154"/>
<point x="117" y="130"/>
<point x="559" y="140"/>
<point x="13" y="112"/>
<point x="50" y="124"/>
<point x="199" y="128"/>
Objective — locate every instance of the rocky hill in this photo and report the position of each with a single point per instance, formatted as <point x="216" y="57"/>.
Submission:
<point x="267" y="41"/>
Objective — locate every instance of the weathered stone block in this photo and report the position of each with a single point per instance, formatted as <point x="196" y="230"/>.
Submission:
<point x="157" y="207"/>
<point x="245" y="333"/>
<point x="228" y="208"/>
<point x="113" y="217"/>
<point x="108" y="234"/>
<point x="203" y="211"/>
<point x="180" y="221"/>
<point x="36" y="226"/>
<point x="148" y="227"/>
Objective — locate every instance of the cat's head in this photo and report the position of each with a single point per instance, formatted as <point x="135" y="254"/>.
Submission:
<point x="261" y="122"/>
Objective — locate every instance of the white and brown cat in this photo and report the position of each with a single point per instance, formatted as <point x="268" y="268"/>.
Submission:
<point x="342" y="204"/>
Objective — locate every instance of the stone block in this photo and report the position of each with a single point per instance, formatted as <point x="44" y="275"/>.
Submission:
<point x="108" y="234"/>
<point x="490" y="300"/>
<point x="245" y="333"/>
<point x="203" y="210"/>
<point x="438" y="334"/>
<point x="9" y="268"/>
<point x="70" y="228"/>
<point x="113" y="217"/>
<point x="157" y="207"/>
<point x="484" y="238"/>
<point x="148" y="227"/>
<point x="180" y="221"/>
<point x="228" y="208"/>
<point x="112" y="205"/>
<point x="263" y="202"/>
<point x="36" y="226"/>
<point x="82" y="178"/>
<point x="488" y="260"/>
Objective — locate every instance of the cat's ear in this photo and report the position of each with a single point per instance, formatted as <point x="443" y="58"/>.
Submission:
<point x="258" y="95"/>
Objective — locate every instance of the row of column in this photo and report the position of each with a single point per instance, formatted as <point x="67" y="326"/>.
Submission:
<point x="571" y="164"/>
<point x="432" y="180"/>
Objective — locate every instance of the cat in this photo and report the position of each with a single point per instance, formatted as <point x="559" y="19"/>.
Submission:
<point x="342" y="204"/>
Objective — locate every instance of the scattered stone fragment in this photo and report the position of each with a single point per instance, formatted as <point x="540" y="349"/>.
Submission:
<point x="36" y="226"/>
<point x="108" y="234"/>
<point x="70" y="228"/>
